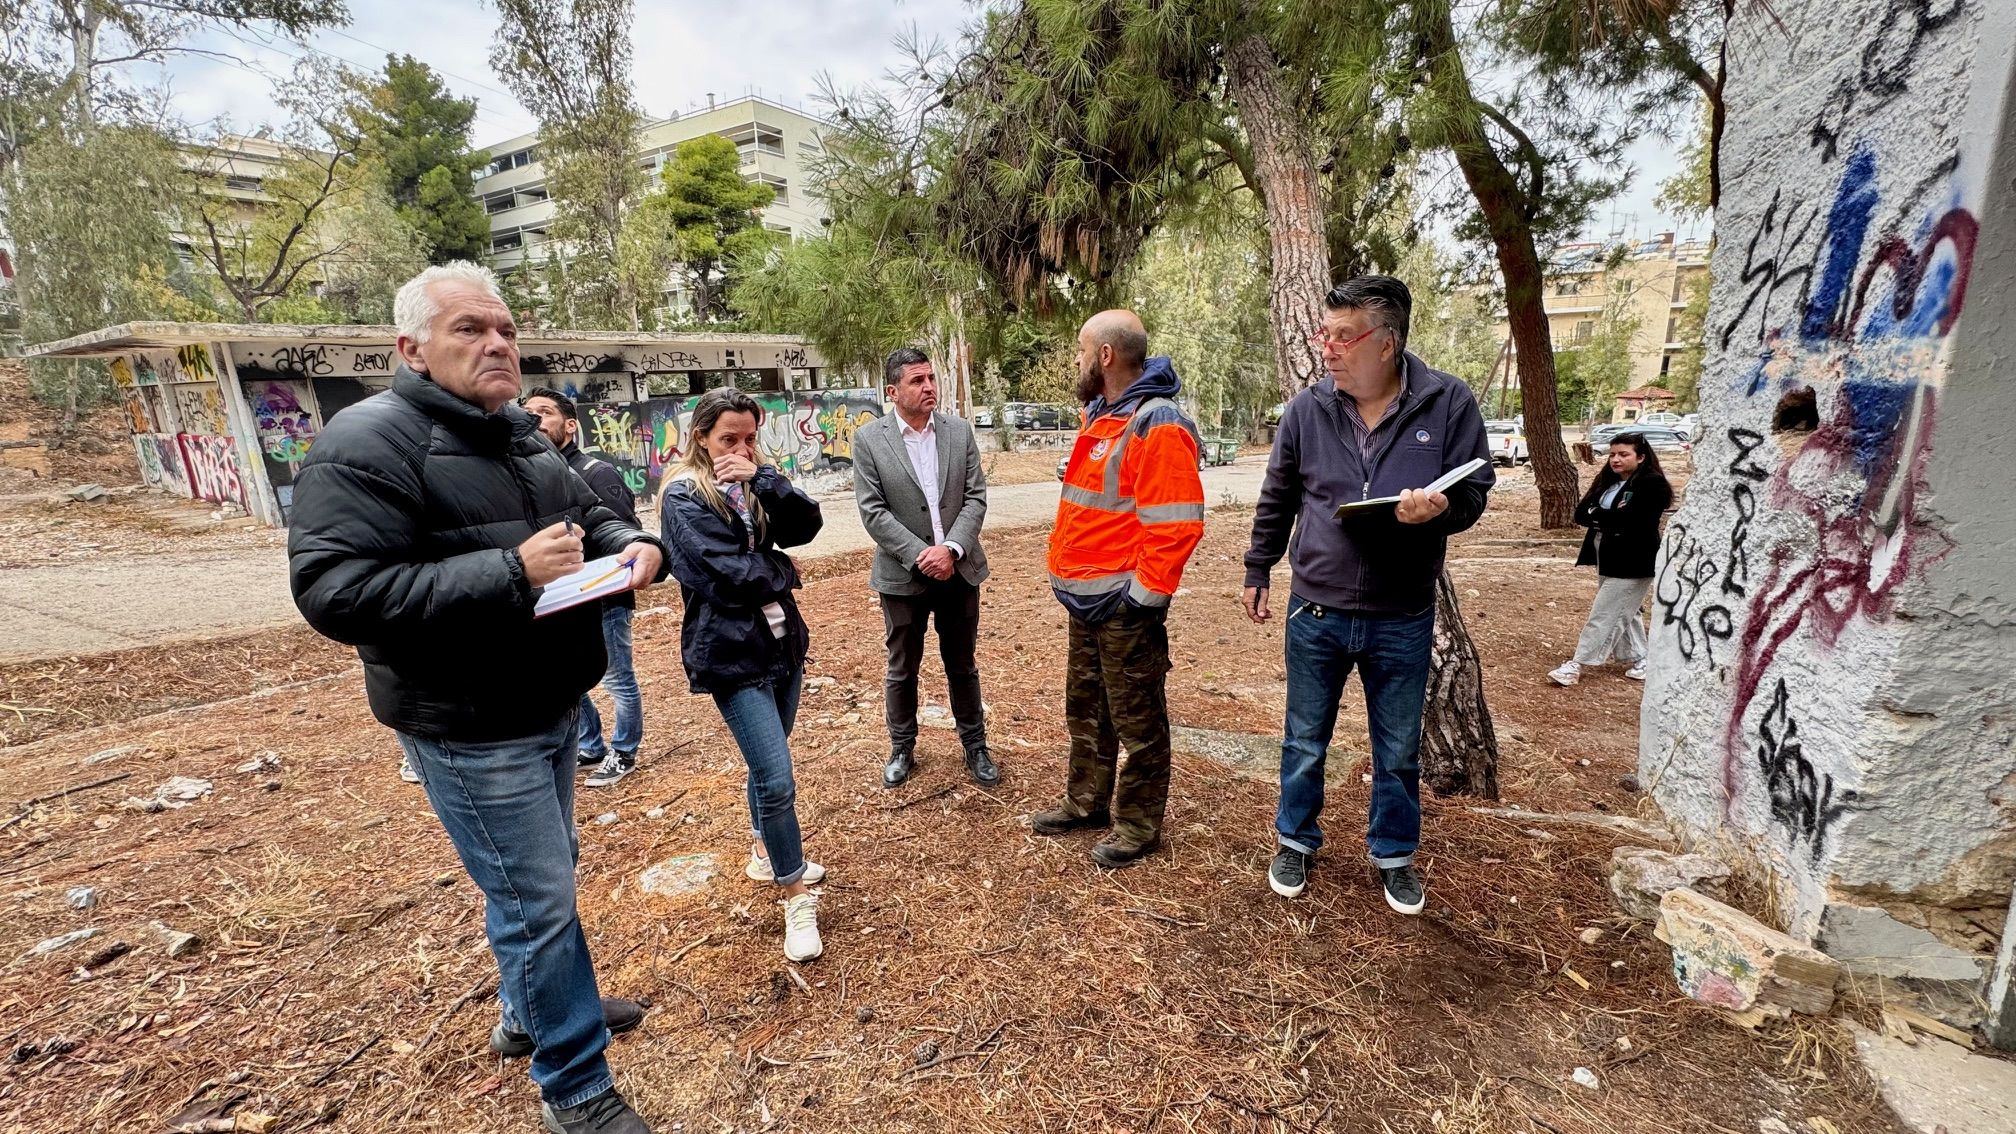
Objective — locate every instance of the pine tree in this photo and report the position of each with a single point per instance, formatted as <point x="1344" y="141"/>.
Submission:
<point x="418" y="136"/>
<point x="712" y="218"/>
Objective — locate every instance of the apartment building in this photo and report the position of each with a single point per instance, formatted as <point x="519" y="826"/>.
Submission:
<point x="778" y="145"/>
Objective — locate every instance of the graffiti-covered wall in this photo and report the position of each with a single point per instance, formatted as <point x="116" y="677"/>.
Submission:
<point x="808" y="435"/>
<point x="182" y="430"/>
<point x="1831" y="682"/>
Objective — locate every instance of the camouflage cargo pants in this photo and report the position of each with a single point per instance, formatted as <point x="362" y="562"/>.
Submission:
<point x="1113" y="697"/>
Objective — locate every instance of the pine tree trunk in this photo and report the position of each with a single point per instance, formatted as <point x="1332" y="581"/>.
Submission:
<point x="1459" y="748"/>
<point x="1506" y="206"/>
<point x="1284" y="164"/>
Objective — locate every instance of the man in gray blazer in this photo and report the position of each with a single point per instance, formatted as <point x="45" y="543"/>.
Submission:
<point x="922" y="496"/>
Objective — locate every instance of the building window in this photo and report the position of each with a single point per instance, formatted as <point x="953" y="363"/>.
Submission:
<point x="1665" y="364"/>
<point x="1672" y="329"/>
<point x="248" y="184"/>
<point x="782" y="186"/>
<point x="498" y="203"/>
<point x="1679" y="287"/>
<point x="1585" y="330"/>
<point x="507" y="242"/>
<point x="756" y="138"/>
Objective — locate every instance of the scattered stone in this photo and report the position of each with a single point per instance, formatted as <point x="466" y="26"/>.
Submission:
<point x="863" y="1014"/>
<point x="176" y="791"/>
<point x="111" y="754"/>
<point x="445" y="878"/>
<point x="107" y="955"/>
<point x="1582" y="763"/>
<point x="606" y="818"/>
<point x="260" y="763"/>
<point x="1586" y="1078"/>
<point x="1629" y="783"/>
<point x="1640" y="876"/>
<point x="1591" y="935"/>
<point x="1724" y="957"/>
<point x="681" y="874"/>
<point x="926" y="1052"/>
<point x="271" y="785"/>
<point x="1530" y="832"/>
<point x="655" y="813"/>
<point x="87" y="493"/>
<point x="62" y="941"/>
<point x="80" y="897"/>
<point x="851" y="719"/>
<point x="812" y="683"/>
<point x="179" y="944"/>
<point x="1772" y="1126"/>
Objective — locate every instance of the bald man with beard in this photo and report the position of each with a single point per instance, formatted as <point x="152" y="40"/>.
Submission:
<point x="1130" y="513"/>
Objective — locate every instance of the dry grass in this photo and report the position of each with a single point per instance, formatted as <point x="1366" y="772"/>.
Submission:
<point x="977" y="977"/>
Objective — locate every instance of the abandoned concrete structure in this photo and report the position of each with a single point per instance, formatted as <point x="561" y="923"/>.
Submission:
<point x="1833" y="687"/>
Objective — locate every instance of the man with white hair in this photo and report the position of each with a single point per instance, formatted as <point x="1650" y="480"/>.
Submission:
<point x="426" y="522"/>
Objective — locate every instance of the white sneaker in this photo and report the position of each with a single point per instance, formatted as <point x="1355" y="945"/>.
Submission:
<point x="1637" y="670"/>
<point x="759" y="870"/>
<point x="406" y="771"/>
<point x="1567" y="673"/>
<point x="801" y="928"/>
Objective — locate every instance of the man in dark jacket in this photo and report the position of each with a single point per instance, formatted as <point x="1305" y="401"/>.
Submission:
<point x="1363" y="588"/>
<point x="560" y="421"/>
<point x="425" y="524"/>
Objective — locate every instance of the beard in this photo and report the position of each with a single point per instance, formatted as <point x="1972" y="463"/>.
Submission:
<point x="1091" y="382"/>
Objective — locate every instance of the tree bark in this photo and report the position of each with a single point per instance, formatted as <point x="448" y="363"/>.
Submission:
<point x="1459" y="748"/>
<point x="1285" y="165"/>
<point x="1507" y="209"/>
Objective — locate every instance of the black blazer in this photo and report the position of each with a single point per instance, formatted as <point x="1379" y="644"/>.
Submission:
<point x="1630" y="528"/>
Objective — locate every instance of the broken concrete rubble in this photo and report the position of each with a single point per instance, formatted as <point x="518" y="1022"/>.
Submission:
<point x="1900" y="961"/>
<point x="1726" y="958"/>
<point x="1640" y="876"/>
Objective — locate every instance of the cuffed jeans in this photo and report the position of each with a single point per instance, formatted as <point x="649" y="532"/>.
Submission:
<point x="620" y="679"/>
<point x="508" y="806"/>
<point x="954" y="605"/>
<point x="1391" y="654"/>
<point x="760" y="719"/>
<point x="1616" y="629"/>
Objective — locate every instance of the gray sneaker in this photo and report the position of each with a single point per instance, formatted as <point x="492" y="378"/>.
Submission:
<point x="614" y="767"/>
<point x="1288" y="875"/>
<point x="606" y="1113"/>
<point x="407" y="772"/>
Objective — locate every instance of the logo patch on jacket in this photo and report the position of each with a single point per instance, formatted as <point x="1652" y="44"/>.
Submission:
<point x="1421" y="435"/>
<point x="1099" y="450"/>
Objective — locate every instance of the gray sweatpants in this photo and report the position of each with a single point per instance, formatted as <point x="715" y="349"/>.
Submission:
<point x="1614" y="632"/>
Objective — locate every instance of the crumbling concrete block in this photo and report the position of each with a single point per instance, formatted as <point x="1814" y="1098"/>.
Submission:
<point x="1904" y="961"/>
<point x="1724" y="957"/>
<point x="1640" y="876"/>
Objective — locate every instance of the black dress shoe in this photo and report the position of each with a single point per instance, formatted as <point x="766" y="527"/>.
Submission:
<point x="980" y="763"/>
<point x="901" y="763"/>
<point x="618" y="1016"/>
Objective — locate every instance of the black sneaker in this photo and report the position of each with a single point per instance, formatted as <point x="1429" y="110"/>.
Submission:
<point x="1288" y="876"/>
<point x="606" y="1113"/>
<point x="618" y="1016"/>
<point x="589" y="757"/>
<point x="1405" y="891"/>
<point x="614" y="767"/>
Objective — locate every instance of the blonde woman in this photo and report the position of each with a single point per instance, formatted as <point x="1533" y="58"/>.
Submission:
<point x="742" y="640"/>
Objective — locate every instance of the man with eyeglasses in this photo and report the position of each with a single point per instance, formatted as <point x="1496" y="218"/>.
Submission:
<point x="1382" y="423"/>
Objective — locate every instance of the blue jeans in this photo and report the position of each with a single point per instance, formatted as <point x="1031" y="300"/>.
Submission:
<point x="621" y="682"/>
<point x="508" y="807"/>
<point x="1391" y="653"/>
<point x="760" y="718"/>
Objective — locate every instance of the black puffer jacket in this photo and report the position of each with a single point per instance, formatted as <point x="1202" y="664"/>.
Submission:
<point x="1623" y="540"/>
<point x="407" y="516"/>
<point x="725" y="638"/>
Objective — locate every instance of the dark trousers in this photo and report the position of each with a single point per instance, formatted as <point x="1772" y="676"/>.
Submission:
<point x="1113" y="696"/>
<point x="955" y="605"/>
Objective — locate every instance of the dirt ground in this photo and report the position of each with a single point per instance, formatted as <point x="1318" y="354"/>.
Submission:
<point x="976" y="977"/>
<point x="98" y="450"/>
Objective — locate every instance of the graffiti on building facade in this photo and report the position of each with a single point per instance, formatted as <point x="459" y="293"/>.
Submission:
<point x="285" y="428"/>
<point x="211" y="465"/>
<point x="804" y="434"/>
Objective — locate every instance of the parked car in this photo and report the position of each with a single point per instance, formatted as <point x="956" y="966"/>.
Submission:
<point x="1661" y="439"/>
<point x="1508" y="443"/>
<point x="1663" y="418"/>
<point x="983" y="417"/>
<point x="1689" y="427"/>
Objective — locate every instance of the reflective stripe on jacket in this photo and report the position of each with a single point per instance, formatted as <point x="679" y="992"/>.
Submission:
<point x="1131" y="509"/>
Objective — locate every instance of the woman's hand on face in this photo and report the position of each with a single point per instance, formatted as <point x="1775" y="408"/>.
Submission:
<point x="731" y="468"/>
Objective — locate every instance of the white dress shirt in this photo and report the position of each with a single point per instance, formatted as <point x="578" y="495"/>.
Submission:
<point x="922" y="446"/>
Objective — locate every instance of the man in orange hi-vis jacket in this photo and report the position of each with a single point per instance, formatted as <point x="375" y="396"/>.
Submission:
<point x="1131" y="512"/>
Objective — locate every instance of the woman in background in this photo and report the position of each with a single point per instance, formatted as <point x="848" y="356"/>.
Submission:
<point x="723" y="518"/>
<point x="1622" y="512"/>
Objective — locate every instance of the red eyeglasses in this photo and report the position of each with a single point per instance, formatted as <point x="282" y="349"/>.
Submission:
<point x="1326" y="342"/>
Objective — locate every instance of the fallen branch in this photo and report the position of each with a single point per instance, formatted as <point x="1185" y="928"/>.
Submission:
<point x="1165" y="918"/>
<point x="30" y="805"/>
<point x="944" y="791"/>
<point x="483" y="987"/>
<point x="353" y="1057"/>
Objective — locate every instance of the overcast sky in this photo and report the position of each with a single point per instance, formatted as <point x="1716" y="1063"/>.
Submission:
<point x="684" y="50"/>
